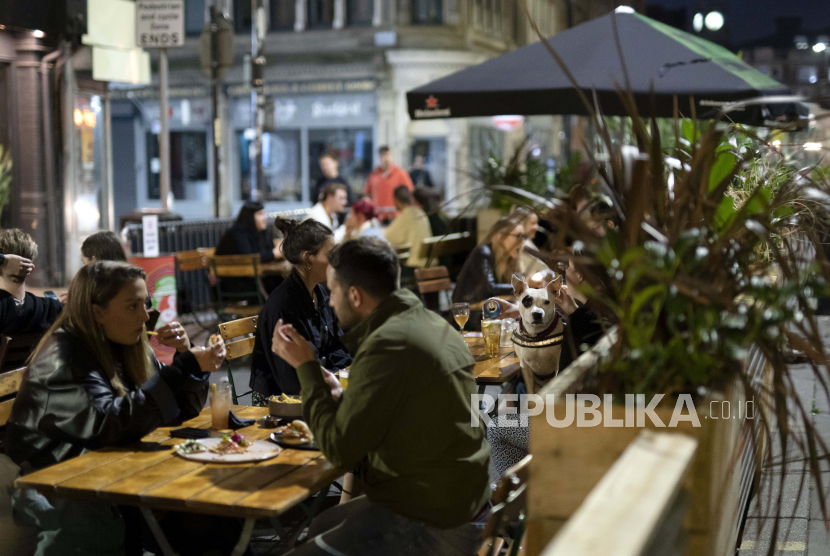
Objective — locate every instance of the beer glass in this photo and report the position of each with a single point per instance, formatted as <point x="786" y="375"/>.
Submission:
<point x="220" y="404"/>
<point x="491" y="331"/>
<point x="461" y="313"/>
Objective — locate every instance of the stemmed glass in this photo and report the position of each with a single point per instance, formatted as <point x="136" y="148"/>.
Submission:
<point x="461" y="313"/>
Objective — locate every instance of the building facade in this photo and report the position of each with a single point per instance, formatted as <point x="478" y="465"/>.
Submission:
<point x="336" y="79"/>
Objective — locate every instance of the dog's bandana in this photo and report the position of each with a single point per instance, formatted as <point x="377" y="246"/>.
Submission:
<point x="547" y="338"/>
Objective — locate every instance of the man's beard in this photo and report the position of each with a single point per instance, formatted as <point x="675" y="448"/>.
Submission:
<point x="347" y="318"/>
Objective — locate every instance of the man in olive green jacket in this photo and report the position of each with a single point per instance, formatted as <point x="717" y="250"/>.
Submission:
<point x="403" y="423"/>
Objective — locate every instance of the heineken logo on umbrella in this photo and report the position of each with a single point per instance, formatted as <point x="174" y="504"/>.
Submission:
<point x="432" y="110"/>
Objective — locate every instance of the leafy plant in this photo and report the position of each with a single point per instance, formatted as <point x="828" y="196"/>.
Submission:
<point x="715" y="253"/>
<point x="522" y="170"/>
<point x="5" y="178"/>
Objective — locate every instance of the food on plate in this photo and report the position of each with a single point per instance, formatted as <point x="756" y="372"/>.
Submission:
<point x="214" y="340"/>
<point x="191" y="446"/>
<point x="231" y="444"/>
<point x="282" y="398"/>
<point x="296" y="433"/>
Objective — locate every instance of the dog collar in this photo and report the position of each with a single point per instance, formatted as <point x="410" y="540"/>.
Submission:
<point x="522" y="338"/>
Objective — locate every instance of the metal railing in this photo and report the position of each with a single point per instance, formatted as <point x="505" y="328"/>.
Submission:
<point x="194" y="289"/>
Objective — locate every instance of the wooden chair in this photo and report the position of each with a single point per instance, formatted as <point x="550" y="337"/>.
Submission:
<point x="9" y="386"/>
<point x="197" y="259"/>
<point x="16" y="349"/>
<point x="431" y="282"/>
<point x="508" y="511"/>
<point x="239" y="336"/>
<point x="229" y="303"/>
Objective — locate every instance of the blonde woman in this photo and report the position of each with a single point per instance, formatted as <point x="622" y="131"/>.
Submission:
<point x="93" y="382"/>
<point x="490" y="266"/>
<point x="535" y="270"/>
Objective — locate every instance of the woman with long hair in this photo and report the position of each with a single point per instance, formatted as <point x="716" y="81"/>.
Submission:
<point x="490" y="266"/>
<point x="302" y="300"/>
<point x="249" y="235"/>
<point x="93" y="382"/>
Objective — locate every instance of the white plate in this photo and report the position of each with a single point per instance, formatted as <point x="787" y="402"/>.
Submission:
<point x="257" y="451"/>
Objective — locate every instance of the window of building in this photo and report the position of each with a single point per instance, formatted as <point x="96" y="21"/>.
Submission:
<point x="283" y="15"/>
<point x="281" y="176"/>
<point x="807" y="74"/>
<point x="242" y="16"/>
<point x="359" y="12"/>
<point x="351" y="147"/>
<point x="188" y="166"/>
<point x="428" y="12"/>
<point x="194" y="17"/>
<point x="320" y="14"/>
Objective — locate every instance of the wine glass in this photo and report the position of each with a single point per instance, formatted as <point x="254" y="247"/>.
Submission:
<point x="461" y="313"/>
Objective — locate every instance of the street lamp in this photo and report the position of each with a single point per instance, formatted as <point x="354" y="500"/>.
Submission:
<point x="819" y="47"/>
<point x="714" y="21"/>
<point x="697" y="22"/>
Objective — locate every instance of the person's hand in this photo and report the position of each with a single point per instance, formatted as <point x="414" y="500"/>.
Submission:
<point x="63" y="296"/>
<point x="174" y="335"/>
<point x="288" y="345"/>
<point x="333" y="383"/>
<point x="507" y="310"/>
<point x="565" y="301"/>
<point x="15" y="265"/>
<point x="210" y="358"/>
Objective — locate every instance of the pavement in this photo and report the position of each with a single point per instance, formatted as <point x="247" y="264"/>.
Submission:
<point x="801" y="529"/>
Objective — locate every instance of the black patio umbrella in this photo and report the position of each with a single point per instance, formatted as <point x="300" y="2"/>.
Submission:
<point x="662" y="62"/>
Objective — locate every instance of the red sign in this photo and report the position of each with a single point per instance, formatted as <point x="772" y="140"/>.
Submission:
<point x="161" y="287"/>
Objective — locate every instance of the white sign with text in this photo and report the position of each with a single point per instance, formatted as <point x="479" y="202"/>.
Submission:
<point x="159" y="24"/>
<point x="150" y="233"/>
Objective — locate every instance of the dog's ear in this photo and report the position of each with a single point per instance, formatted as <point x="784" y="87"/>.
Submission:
<point x="554" y="286"/>
<point x="519" y="284"/>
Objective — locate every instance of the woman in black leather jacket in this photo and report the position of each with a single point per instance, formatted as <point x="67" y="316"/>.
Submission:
<point x="490" y="266"/>
<point x="94" y="382"/>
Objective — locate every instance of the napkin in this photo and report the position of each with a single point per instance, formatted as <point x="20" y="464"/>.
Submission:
<point x="235" y="422"/>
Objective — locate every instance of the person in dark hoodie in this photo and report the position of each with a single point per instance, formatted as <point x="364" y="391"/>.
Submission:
<point x="21" y="311"/>
<point x="303" y="301"/>
<point x="249" y="235"/>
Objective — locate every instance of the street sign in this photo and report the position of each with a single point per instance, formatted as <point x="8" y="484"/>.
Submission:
<point x="159" y="23"/>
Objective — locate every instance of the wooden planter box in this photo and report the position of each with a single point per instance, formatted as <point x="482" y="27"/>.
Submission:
<point x="568" y="462"/>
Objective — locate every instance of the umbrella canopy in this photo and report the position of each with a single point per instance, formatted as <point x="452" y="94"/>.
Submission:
<point x="658" y="58"/>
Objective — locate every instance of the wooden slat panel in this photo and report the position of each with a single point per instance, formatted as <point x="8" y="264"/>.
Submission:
<point x="238" y="327"/>
<point x="631" y="502"/>
<point x="177" y="491"/>
<point x="284" y="493"/>
<point x="430" y="286"/>
<point x="46" y="479"/>
<point x="236" y="271"/>
<point x="192" y="260"/>
<point x="431" y="273"/>
<point x="10" y="382"/>
<point x="5" y="411"/>
<point x="239" y="348"/>
<point x="234" y="489"/>
<point x="125" y="490"/>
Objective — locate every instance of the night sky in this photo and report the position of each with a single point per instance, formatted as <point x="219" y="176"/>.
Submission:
<point x="754" y="19"/>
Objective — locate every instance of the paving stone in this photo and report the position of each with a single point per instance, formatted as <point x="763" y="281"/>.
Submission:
<point x="795" y="503"/>
<point x="791" y="539"/>
<point x="818" y="540"/>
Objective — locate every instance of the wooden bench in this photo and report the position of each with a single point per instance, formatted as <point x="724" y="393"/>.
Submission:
<point x="9" y="386"/>
<point x="197" y="259"/>
<point x="431" y="282"/>
<point x="239" y="337"/>
<point x="237" y="266"/>
<point x="15" y="349"/>
<point x="509" y="511"/>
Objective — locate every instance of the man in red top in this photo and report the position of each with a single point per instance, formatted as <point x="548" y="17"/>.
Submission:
<point x="382" y="183"/>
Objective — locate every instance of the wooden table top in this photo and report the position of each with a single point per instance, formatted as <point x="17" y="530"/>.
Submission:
<point x="492" y="370"/>
<point x="149" y="474"/>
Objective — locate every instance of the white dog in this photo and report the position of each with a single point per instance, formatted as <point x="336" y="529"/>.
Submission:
<point x="538" y="338"/>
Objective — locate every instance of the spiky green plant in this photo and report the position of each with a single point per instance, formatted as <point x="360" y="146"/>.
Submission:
<point x="717" y="252"/>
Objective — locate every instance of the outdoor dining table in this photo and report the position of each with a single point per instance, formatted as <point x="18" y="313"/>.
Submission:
<point x="491" y="369"/>
<point x="148" y="475"/>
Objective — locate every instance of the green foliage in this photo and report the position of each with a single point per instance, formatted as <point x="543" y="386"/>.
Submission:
<point x="522" y="171"/>
<point x="5" y="178"/>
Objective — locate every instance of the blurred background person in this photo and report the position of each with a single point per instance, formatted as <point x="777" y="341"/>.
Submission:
<point x="428" y="201"/>
<point x="488" y="270"/>
<point x="330" y="167"/>
<point x="362" y="221"/>
<point x="22" y="311"/>
<point x="381" y="183"/>
<point x="103" y="246"/>
<point x="418" y="174"/>
<point x="410" y="227"/>
<point x="249" y="235"/>
<point x="535" y="270"/>
<point x="331" y="202"/>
